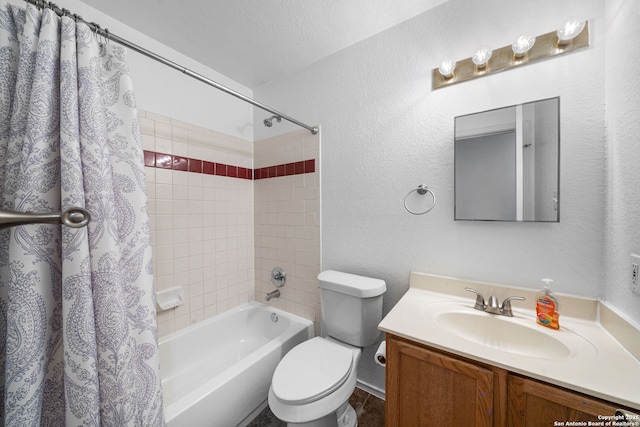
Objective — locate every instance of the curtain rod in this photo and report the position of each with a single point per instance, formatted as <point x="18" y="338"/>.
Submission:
<point x="110" y="36"/>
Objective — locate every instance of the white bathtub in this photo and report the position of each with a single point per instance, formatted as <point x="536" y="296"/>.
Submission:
<point x="218" y="372"/>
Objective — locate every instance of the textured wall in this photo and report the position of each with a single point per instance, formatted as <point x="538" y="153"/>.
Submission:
<point x="623" y="154"/>
<point x="384" y="131"/>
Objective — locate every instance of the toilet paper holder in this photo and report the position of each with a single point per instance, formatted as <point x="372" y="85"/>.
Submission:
<point x="381" y="354"/>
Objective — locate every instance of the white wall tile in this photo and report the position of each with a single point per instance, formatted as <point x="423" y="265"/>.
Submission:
<point x="219" y="237"/>
<point x="185" y="235"/>
<point x="286" y="225"/>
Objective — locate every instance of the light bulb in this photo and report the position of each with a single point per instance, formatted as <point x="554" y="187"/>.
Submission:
<point x="523" y="45"/>
<point x="570" y="30"/>
<point x="482" y="56"/>
<point x="447" y="68"/>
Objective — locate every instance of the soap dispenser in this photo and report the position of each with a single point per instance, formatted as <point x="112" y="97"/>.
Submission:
<point x="547" y="307"/>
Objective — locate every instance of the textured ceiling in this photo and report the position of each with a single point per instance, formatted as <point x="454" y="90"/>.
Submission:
<point x="256" y="41"/>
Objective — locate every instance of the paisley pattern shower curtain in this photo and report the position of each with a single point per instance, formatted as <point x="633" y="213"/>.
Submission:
<point x="78" y="342"/>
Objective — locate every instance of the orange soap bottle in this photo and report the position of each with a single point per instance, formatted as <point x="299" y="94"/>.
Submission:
<point x="547" y="307"/>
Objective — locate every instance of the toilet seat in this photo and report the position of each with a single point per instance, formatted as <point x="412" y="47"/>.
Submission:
<point x="311" y="371"/>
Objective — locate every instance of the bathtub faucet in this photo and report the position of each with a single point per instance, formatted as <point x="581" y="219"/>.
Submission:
<point x="272" y="294"/>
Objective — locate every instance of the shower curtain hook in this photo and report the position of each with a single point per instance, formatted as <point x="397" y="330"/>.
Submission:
<point x="95" y="28"/>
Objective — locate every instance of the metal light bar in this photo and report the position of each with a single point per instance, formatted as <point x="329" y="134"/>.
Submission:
<point x="546" y="46"/>
<point x="110" y="36"/>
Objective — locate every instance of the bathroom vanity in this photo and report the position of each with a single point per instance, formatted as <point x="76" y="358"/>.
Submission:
<point x="506" y="371"/>
<point x="426" y="386"/>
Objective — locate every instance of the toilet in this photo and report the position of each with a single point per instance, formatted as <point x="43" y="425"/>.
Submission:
<point x="312" y="383"/>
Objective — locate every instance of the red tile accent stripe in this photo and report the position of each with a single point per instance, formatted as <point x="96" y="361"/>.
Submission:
<point x="286" y="169"/>
<point x="154" y="159"/>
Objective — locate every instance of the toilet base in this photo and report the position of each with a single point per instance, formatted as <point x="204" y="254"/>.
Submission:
<point x="345" y="416"/>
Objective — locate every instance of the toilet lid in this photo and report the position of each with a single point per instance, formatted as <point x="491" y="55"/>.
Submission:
<point x="311" y="371"/>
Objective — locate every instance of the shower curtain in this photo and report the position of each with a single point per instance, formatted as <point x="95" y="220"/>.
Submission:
<point x="78" y="341"/>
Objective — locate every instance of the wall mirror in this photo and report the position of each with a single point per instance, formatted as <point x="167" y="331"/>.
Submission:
<point x="507" y="163"/>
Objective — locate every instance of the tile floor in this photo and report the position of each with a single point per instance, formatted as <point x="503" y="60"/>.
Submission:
<point x="369" y="408"/>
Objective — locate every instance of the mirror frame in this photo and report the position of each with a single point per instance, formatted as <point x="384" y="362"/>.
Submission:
<point x="556" y="194"/>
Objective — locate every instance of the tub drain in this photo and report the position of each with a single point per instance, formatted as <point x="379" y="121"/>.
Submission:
<point x="274" y="317"/>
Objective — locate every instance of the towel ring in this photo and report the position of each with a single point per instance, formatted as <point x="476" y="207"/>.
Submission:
<point x="422" y="189"/>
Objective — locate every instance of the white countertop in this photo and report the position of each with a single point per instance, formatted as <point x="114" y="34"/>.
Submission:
<point x="598" y="364"/>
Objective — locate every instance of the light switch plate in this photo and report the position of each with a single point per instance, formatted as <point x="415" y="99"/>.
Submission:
<point x="634" y="282"/>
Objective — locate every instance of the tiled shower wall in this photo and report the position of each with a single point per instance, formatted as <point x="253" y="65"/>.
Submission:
<point x="287" y="220"/>
<point x="224" y="212"/>
<point x="201" y="209"/>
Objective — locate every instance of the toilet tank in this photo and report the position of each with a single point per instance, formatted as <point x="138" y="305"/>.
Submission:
<point x="351" y="307"/>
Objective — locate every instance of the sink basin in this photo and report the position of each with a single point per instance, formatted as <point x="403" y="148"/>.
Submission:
<point x="504" y="334"/>
<point x="456" y="324"/>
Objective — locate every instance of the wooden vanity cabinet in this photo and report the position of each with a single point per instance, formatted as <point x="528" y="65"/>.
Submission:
<point x="430" y="387"/>
<point x="426" y="387"/>
<point x="533" y="403"/>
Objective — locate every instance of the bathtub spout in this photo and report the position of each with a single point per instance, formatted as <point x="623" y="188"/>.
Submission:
<point x="272" y="294"/>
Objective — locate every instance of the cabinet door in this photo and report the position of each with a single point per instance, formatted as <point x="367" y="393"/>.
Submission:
<point x="427" y="388"/>
<point x="535" y="404"/>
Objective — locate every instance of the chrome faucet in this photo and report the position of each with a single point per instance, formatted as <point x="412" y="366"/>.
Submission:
<point x="272" y="294"/>
<point x="492" y="306"/>
<point x="278" y="278"/>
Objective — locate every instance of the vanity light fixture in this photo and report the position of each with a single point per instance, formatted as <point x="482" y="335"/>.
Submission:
<point x="526" y="50"/>
<point x="570" y="30"/>
<point x="482" y="57"/>
<point x="446" y="68"/>
<point x="522" y="46"/>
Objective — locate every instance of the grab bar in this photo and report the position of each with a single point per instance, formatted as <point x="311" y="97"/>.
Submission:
<point x="73" y="217"/>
